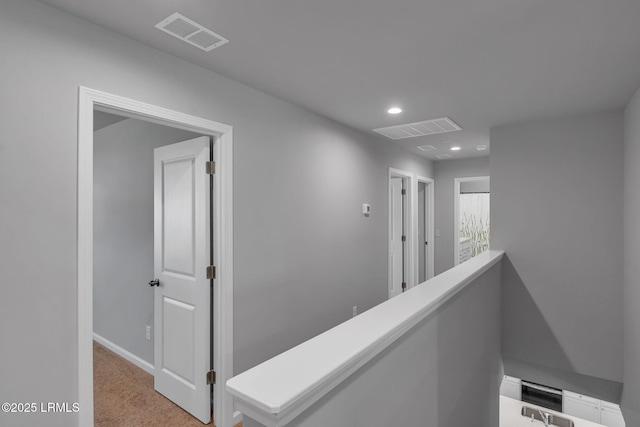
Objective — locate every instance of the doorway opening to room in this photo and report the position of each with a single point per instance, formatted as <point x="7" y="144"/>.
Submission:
<point x="130" y="267"/>
<point x="410" y="230"/>
<point x="401" y="238"/>
<point x="154" y="248"/>
<point x="425" y="230"/>
<point x="472" y="219"/>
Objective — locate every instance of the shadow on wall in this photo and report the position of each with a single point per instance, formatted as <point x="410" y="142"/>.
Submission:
<point x="525" y="325"/>
<point x="531" y="350"/>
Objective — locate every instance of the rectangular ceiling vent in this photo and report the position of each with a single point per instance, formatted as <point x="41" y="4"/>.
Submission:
<point x="191" y="32"/>
<point x="412" y="130"/>
<point x="444" y="156"/>
<point x="426" y="148"/>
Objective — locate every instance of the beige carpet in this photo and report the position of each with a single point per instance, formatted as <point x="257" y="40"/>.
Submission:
<point x="124" y="396"/>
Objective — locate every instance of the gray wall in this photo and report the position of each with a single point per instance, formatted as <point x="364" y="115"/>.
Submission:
<point x="556" y="210"/>
<point x="445" y="171"/>
<point x="304" y="254"/>
<point x="446" y="371"/>
<point x="483" y="186"/>
<point x="631" y="391"/>
<point x="123" y="231"/>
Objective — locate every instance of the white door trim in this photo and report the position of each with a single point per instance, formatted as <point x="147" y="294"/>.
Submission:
<point x="430" y="232"/>
<point x="411" y="222"/>
<point x="456" y="213"/>
<point x="88" y="100"/>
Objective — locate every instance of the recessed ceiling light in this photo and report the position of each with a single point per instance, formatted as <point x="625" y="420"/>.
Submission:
<point x="394" y="110"/>
<point x="455" y="148"/>
<point x="481" y="147"/>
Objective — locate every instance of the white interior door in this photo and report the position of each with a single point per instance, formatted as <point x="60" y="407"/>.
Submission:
<point x="396" y="244"/>
<point x="182" y="253"/>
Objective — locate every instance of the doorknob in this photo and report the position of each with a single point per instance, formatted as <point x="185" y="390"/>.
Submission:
<point x="154" y="282"/>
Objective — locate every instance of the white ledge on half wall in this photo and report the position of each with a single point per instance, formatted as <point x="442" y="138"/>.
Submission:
<point x="278" y="390"/>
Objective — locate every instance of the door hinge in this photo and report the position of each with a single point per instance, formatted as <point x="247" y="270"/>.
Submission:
<point x="211" y="272"/>
<point x="211" y="168"/>
<point x="404" y="286"/>
<point x="404" y="238"/>
<point x="211" y="377"/>
<point x="404" y="192"/>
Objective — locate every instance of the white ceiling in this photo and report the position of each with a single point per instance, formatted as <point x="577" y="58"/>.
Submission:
<point x="480" y="62"/>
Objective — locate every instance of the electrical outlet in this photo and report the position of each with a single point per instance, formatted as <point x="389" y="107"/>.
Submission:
<point x="148" y="333"/>
<point x="355" y="310"/>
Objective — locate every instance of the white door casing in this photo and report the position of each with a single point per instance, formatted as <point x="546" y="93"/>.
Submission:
<point x="426" y="242"/>
<point x="182" y="253"/>
<point x="429" y="226"/>
<point x="421" y="230"/>
<point x="88" y="101"/>
<point x="410" y="216"/>
<point x="396" y="244"/>
<point x="407" y="209"/>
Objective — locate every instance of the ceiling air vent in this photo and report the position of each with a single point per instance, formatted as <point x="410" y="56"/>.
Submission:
<point x="444" y="156"/>
<point x="411" y="130"/>
<point x="426" y="148"/>
<point x="191" y="32"/>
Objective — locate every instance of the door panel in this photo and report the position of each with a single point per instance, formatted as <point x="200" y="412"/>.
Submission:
<point x="177" y="225"/>
<point x="182" y="254"/>
<point x="178" y="324"/>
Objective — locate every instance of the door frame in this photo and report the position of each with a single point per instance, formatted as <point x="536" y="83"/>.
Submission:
<point x="456" y="212"/>
<point x="410" y="220"/>
<point x="88" y="100"/>
<point x="430" y="226"/>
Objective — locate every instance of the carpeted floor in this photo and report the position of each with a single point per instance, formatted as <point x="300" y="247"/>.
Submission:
<point x="124" y="396"/>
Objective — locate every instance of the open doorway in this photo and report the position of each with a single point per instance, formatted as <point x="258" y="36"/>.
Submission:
<point x="401" y="238"/>
<point x="221" y="229"/>
<point x="410" y="230"/>
<point x="425" y="229"/>
<point x="123" y="304"/>
<point x="472" y="219"/>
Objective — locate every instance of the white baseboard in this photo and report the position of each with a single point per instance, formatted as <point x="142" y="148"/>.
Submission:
<point x="139" y="362"/>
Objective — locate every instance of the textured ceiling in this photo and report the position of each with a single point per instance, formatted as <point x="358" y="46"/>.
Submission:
<point x="481" y="62"/>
